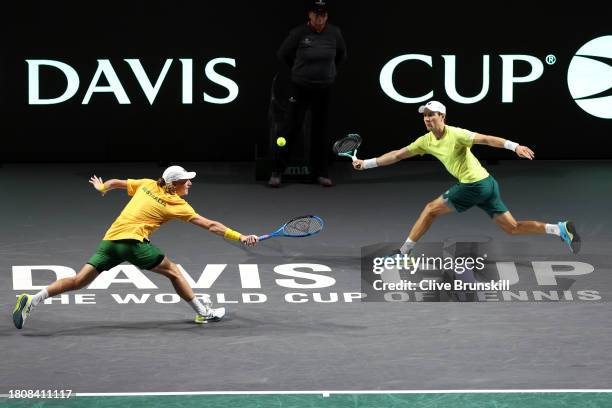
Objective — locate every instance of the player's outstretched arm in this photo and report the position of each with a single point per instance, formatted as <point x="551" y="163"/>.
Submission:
<point x="385" y="160"/>
<point x="105" y="186"/>
<point x="217" y="228"/>
<point x="494" y="141"/>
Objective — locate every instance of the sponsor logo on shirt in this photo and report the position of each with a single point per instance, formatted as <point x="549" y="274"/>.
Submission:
<point x="153" y="196"/>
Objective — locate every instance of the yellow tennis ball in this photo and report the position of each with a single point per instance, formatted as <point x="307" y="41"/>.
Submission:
<point x="281" y="141"/>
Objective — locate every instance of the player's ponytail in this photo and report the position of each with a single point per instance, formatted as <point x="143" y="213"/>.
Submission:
<point x="167" y="187"/>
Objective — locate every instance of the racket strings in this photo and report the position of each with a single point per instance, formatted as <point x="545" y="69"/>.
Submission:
<point x="303" y="226"/>
<point x="348" y="144"/>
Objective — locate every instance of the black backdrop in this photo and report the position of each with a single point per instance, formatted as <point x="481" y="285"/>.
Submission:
<point x="542" y="115"/>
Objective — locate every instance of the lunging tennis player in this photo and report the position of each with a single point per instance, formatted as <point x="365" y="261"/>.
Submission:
<point x="476" y="187"/>
<point x="153" y="203"/>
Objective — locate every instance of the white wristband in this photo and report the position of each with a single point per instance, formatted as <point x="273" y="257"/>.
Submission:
<point x="369" y="164"/>
<point x="510" y="145"/>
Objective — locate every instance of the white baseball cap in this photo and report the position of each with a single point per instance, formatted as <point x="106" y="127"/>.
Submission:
<point x="175" y="173"/>
<point x="433" y="106"/>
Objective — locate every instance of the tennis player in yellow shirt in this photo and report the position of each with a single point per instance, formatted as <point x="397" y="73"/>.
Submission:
<point x="476" y="187"/>
<point x="153" y="203"/>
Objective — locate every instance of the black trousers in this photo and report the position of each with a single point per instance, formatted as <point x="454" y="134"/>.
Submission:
<point x="303" y="98"/>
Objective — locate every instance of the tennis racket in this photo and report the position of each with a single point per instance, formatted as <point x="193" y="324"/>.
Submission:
<point x="348" y="146"/>
<point x="298" y="227"/>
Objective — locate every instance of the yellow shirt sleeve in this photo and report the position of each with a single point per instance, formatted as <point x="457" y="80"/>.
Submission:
<point x="418" y="146"/>
<point x="465" y="137"/>
<point x="183" y="212"/>
<point x="132" y="185"/>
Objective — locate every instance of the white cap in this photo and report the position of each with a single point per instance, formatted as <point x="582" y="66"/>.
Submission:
<point x="175" y="173"/>
<point x="433" y="106"/>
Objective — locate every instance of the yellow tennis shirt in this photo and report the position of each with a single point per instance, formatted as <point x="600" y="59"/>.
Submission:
<point x="453" y="150"/>
<point x="149" y="208"/>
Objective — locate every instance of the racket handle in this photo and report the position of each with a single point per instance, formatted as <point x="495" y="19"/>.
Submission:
<point x="264" y="237"/>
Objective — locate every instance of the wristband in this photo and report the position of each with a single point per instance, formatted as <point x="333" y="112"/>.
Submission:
<point x="231" y="234"/>
<point x="103" y="189"/>
<point x="510" y="145"/>
<point x="370" y="163"/>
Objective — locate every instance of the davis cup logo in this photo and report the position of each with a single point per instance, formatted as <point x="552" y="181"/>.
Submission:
<point x="589" y="77"/>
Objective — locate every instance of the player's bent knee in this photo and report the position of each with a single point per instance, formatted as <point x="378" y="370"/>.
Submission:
<point x="511" y="229"/>
<point x="80" y="282"/>
<point x="433" y="209"/>
<point x="173" y="272"/>
<point x="430" y="209"/>
<point x="175" y="275"/>
<point x="75" y="283"/>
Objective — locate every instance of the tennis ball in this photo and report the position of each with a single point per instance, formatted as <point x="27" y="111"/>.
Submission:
<point x="281" y="141"/>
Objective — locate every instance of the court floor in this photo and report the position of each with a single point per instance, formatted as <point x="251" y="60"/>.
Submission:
<point x="292" y="332"/>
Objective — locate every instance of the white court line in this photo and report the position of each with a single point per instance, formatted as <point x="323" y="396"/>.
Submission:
<point x="328" y="393"/>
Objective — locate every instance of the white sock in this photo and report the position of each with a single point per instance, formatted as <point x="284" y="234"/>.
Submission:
<point x="199" y="307"/>
<point x="553" y="229"/>
<point x="408" y="245"/>
<point x="39" y="297"/>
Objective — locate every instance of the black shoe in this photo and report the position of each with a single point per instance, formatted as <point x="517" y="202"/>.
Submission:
<point x="275" y="180"/>
<point x="325" y="181"/>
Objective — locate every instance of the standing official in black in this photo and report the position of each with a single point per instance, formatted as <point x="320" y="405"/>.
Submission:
<point x="313" y="51"/>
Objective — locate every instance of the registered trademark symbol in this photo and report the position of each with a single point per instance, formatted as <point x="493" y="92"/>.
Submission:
<point x="551" y="59"/>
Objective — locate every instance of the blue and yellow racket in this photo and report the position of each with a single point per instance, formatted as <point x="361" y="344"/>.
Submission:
<point x="348" y="146"/>
<point x="298" y="227"/>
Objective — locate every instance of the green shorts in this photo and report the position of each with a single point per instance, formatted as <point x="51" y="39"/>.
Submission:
<point x="483" y="194"/>
<point x="109" y="254"/>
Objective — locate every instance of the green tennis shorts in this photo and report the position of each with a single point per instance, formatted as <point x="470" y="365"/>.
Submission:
<point x="483" y="194"/>
<point x="109" y="254"/>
